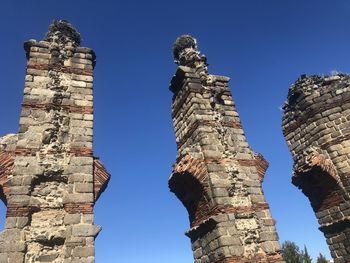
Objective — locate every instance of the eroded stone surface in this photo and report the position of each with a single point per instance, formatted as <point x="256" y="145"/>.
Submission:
<point x="48" y="177"/>
<point x="217" y="176"/>
<point x="317" y="129"/>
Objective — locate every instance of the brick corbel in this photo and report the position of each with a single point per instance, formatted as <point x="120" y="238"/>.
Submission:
<point x="101" y="178"/>
<point x="7" y="160"/>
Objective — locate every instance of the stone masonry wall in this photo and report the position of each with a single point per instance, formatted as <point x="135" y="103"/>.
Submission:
<point x="48" y="175"/>
<point x="217" y="176"/>
<point x="316" y="125"/>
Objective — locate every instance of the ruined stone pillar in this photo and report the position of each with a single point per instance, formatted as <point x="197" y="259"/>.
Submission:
<point x="316" y="125"/>
<point x="217" y="176"/>
<point x="48" y="176"/>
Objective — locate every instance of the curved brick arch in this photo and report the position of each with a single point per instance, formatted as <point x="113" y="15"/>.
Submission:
<point x="315" y="159"/>
<point x="328" y="198"/>
<point x="189" y="182"/>
<point x="321" y="187"/>
<point x="193" y="195"/>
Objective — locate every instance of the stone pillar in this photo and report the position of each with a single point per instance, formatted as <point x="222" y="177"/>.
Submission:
<point x="217" y="176"/>
<point x="316" y="125"/>
<point x="49" y="177"/>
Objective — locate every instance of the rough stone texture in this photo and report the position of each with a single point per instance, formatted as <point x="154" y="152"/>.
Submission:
<point x="317" y="129"/>
<point x="217" y="176"/>
<point x="48" y="176"/>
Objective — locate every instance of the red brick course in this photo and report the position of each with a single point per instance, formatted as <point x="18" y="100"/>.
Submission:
<point x="64" y="69"/>
<point x="75" y="208"/>
<point x="69" y="108"/>
<point x="83" y="151"/>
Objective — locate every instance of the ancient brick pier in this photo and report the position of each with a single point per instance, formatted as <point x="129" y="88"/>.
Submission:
<point x="217" y="176"/>
<point x="316" y="125"/>
<point x="49" y="178"/>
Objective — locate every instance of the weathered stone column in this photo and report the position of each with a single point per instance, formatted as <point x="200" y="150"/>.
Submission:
<point x="48" y="175"/>
<point x="217" y="176"/>
<point x="316" y="125"/>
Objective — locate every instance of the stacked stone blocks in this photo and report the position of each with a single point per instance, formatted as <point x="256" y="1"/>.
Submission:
<point x="316" y="126"/>
<point x="51" y="189"/>
<point x="217" y="176"/>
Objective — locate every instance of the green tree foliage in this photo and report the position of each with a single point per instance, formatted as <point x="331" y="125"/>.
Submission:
<point x="306" y="256"/>
<point x="291" y="252"/>
<point x="321" y="259"/>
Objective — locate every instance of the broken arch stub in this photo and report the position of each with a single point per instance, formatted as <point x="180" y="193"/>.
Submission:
<point x="217" y="176"/>
<point x="49" y="177"/>
<point x="316" y="127"/>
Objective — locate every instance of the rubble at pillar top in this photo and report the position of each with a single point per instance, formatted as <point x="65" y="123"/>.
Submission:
<point x="62" y="32"/>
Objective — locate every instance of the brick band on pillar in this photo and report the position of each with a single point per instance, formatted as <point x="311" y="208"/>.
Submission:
<point x="48" y="177"/>
<point x="316" y="126"/>
<point x="217" y="176"/>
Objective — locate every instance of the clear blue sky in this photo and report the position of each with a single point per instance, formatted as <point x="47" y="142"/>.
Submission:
<point x="262" y="45"/>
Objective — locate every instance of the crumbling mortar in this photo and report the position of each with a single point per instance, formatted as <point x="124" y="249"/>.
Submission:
<point x="315" y="127"/>
<point x="201" y="128"/>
